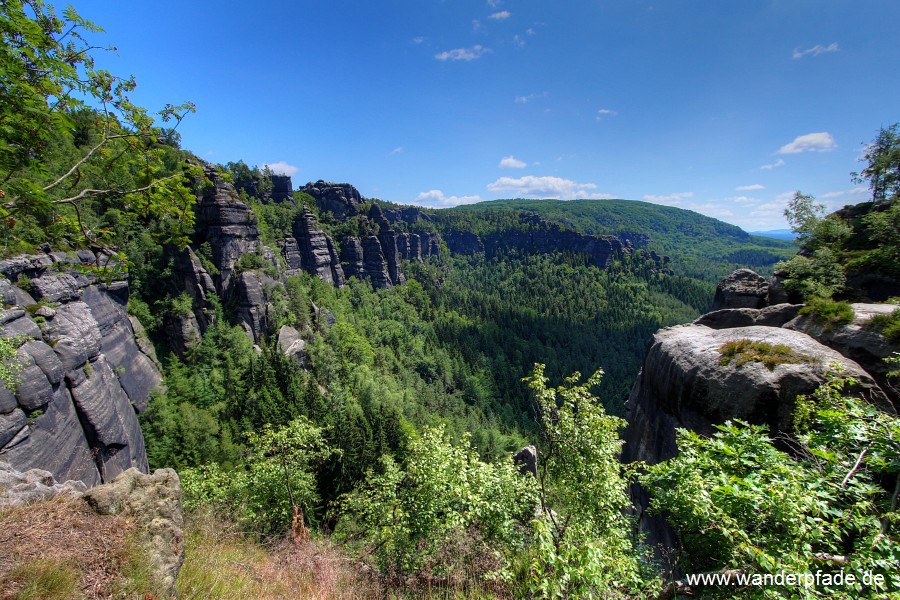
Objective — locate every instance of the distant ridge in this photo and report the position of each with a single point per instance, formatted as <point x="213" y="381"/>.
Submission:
<point x="778" y="234"/>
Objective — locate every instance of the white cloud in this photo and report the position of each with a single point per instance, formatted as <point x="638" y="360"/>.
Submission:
<point x="546" y="187"/>
<point x="605" y="112"/>
<point x="749" y="188"/>
<point x="438" y="199"/>
<point x="476" y="51"/>
<point x="744" y="199"/>
<point x="530" y="31"/>
<point x="815" y="50"/>
<point x="418" y="39"/>
<point x="494" y="3"/>
<point x="774" y="165"/>
<point x="397" y="150"/>
<point x="669" y="199"/>
<point x="282" y="168"/>
<point x="511" y="162"/>
<point x="857" y="191"/>
<point x="518" y="41"/>
<point x="501" y="15"/>
<point x="530" y="97"/>
<point x="811" y="142"/>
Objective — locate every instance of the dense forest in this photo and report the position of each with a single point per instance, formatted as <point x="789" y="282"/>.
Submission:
<point x="391" y="434"/>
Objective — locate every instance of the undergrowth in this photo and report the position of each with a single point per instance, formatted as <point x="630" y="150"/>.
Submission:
<point x="771" y="355"/>
<point x="828" y="313"/>
<point x="888" y="325"/>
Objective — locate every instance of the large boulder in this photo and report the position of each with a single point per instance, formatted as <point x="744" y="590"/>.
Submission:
<point x="742" y="289"/>
<point x="341" y="199"/>
<point x="154" y="501"/>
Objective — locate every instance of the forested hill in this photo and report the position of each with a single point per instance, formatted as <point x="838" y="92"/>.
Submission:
<point x="699" y="246"/>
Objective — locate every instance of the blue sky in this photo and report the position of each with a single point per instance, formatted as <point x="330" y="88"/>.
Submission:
<point x="724" y="107"/>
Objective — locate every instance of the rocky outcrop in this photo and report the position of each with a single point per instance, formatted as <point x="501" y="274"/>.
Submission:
<point x="154" y="502"/>
<point x="292" y="345"/>
<point x="376" y="266"/>
<point x="82" y="378"/>
<point x="527" y="460"/>
<point x="227" y="223"/>
<point x="742" y="289"/>
<point x="282" y="189"/>
<point x="341" y="199"/>
<point x="686" y="382"/>
<point x="290" y="252"/>
<point x="189" y="276"/>
<point x="857" y="341"/>
<point x="19" y="489"/>
<point x="352" y="257"/>
<point x="318" y="255"/>
<point x="252" y="290"/>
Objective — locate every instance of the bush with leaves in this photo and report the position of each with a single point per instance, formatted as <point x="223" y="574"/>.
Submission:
<point x="583" y="544"/>
<point x="739" y="503"/>
<point x="440" y="512"/>
<point x="279" y="474"/>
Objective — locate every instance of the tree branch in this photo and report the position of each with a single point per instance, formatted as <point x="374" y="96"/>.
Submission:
<point x="856" y="466"/>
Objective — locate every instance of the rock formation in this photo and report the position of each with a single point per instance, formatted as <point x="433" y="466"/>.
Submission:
<point x="318" y="255"/>
<point x="742" y="289"/>
<point x="153" y="502"/>
<point x="83" y="376"/>
<point x="341" y="199"/>
<point x="686" y="382"/>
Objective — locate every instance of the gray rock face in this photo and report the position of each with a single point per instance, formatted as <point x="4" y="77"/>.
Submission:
<point x="376" y="266"/>
<point x="389" y="240"/>
<point x="341" y="199"/>
<point x="227" y="224"/>
<point x="742" y="289"/>
<point x="282" y="189"/>
<point x="683" y="384"/>
<point x="292" y="345"/>
<point x="251" y="291"/>
<point x="154" y="501"/>
<point x="854" y="340"/>
<point x="770" y="316"/>
<point x="526" y="459"/>
<point x="55" y="288"/>
<point x="18" y="488"/>
<point x="317" y="251"/>
<point x="410" y="246"/>
<point x="83" y="377"/>
<point x="352" y="259"/>
<point x="290" y="251"/>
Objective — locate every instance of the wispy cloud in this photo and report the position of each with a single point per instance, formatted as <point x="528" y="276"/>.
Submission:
<point x="418" y="39"/>
<point x="439" y="199"/>
<point x="774" y="165"/>
<point x="511" y="162"/>
<point x="500" y="15"/>
<point x="669" y="198"/>
<point x="530" y="97"/>
<point x="545" y="187"/>
<point x="494" y="3"/>
<point x="749" y="188"/>
<point x="472" y="53"/>
<point x="605" y="112"/>
<point x="811" y="142"/>
<point x="397" y="150"/>
<point x="857" y="191"/>
<point x="815" y="50"/>
<point x="282" y="168"/>
<point x="744" y="199"/>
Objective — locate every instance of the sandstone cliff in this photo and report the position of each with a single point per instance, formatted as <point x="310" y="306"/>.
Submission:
<point x="82" y="376"/>
<point x="685" y="383"/>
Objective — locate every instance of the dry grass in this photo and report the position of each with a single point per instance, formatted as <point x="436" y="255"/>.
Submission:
<point x="221" y="562"/>
<point x="60" y="548"/>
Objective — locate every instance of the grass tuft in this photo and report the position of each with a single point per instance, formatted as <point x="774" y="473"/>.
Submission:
<point x="828" y="313"/>
<point x="887" y="325"/>
<point x="771" y="355"/>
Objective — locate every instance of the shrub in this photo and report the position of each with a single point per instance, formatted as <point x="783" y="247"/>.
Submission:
<point x="828" y="313"/>
<point x="888" y="325"/>
<point x="771" y="355"/>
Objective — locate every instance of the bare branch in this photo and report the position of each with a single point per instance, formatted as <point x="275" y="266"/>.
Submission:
<point x="856" y="466"/>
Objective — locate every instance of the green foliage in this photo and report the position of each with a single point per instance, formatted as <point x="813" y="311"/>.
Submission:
<point x="742" y="352"/>
<point x="10" y="364"/>
<point x="738" y="502"/>
<point x="819" y="275"/>
<point x="79" y="161"/>
<point x="412" y="517"/>
<point x="182" y="305"/>
<point x="278" y="474"/>
<point x="883" y="165"/>
<point x="888" y="325"/>
<point x="249" y="261"/>
<point x="828" y="313"/>
<point x="583" y="544"/>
